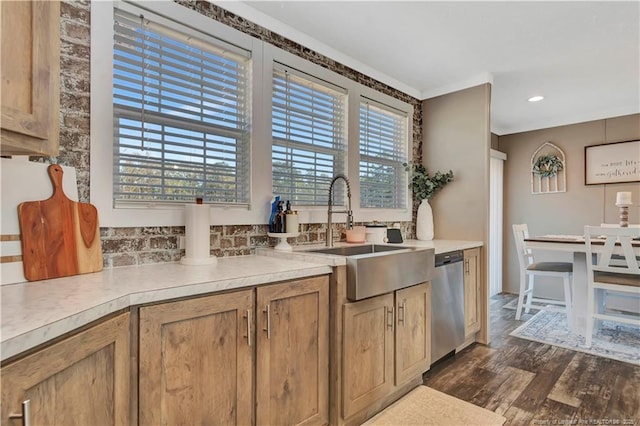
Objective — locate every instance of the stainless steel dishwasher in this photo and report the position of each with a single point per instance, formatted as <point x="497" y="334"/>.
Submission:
<point x="447" y="304"/>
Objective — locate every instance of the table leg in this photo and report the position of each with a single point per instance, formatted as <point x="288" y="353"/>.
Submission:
<point x="579" y="308"/>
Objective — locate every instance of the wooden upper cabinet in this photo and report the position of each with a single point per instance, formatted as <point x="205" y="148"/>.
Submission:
<point x="472" y="291"/>
<point x="292" y="369"/>
<point x="81" y="380"/>
<point x="413" y="332"/>
<point x="196" y="361"/>
<point x="30" y="69"/>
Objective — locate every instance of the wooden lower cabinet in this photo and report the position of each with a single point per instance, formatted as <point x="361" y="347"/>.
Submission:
<point x="256" y="356"/>
<point x="472" y="292"/>
<point x="196" y="361"/>
<point x="292" y="374"/>
<point x="413" y="332"/>
<point x="386" y="343"/>
<point x="205" y="360"/>
<point x="367" y="353"/>
<point x="83" y="379"/>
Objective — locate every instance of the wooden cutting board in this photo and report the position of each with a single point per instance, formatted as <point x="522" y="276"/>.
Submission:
<point x="60" y="237"/>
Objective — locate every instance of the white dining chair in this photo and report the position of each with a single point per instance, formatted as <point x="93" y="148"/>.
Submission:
<point x="615" y="259"/>
<point x="616" y="269"/>
<point x="529" y="268"/>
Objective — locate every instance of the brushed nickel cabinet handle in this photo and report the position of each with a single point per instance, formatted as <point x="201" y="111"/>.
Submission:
<point x="249" y="327"/>
<point x="268" y="329"/>
<point x="390" y="317"/>
<point x="401" y="313"/>
<point x="26" y="413"/>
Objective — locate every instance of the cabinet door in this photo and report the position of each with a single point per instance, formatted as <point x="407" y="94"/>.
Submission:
<point x="472" y="293"/>
<point x="413" y="332"/>
<point x="367" y="352"/>
<point x="292" y="373"/>
<point x="196" y="361"/>
<point x="30" y="77"/>
<point x="81" y="380"/>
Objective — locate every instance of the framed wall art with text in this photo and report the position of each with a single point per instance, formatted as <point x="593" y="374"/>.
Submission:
<point x="617" y="162"/>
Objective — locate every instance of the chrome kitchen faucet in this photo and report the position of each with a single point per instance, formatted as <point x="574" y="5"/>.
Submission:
<point x="329" y="233"/>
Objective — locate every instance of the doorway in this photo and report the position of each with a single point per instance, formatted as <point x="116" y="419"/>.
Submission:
<point x="495" y="221"/>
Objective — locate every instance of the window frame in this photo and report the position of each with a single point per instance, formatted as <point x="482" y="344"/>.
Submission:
<point x="339" y="126"/>
<point x="263" y="56"/>
<point x="160" y="122"/>
<point x="138" y="214"/>
<point x="405" y="120"/>
<point x="355" y="91"/>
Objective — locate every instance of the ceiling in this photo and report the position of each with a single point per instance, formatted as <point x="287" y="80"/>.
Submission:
<point x="583" y="57"/>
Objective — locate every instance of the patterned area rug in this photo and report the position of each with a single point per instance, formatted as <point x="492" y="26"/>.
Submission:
<point x="616" y="341"/>
<point x="514" y="304"/>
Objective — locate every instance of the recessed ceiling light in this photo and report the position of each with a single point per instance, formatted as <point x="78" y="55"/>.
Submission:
<point x="535" y="98"/>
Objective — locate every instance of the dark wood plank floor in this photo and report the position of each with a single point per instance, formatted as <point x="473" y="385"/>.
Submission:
<point x="531" y="383"/>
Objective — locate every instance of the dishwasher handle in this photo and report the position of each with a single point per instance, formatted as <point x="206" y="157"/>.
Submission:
<point x="447" y="258"/>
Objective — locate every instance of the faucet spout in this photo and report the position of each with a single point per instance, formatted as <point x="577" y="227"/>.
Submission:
<point x="349" y="212"/>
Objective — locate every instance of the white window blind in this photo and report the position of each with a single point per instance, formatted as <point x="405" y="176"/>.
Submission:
<point x="308" y="129"/>
<point x="181" y="115"/>
<point x="383" y="149"/>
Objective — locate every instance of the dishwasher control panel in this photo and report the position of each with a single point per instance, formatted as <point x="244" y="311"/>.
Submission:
<point x="449" y="257"/>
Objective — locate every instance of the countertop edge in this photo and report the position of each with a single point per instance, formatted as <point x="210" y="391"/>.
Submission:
<point x="228" y="284"/>
<point x="46" y="332"/>
<point x="41" y="335"/>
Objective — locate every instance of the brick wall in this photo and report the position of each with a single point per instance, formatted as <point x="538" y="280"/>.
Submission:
<point x="140" y="245"/>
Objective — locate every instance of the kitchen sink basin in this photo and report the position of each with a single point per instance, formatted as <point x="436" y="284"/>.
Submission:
<point x="356" y="250"/>
<point x="375" y="269"/>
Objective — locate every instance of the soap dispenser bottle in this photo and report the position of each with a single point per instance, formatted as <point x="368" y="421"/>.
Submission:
<point x="275" y="202"/>
<point x="280" y="221"/>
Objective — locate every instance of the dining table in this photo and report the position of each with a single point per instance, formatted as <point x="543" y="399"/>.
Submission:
<point x="576" y="245"/>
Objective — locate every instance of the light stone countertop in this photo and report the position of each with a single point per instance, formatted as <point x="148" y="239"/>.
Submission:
<point x="36" y="312"/>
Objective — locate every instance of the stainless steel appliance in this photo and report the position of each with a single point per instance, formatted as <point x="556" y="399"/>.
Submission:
<point x="374" y="269"/>
<point x="447" y="304"/>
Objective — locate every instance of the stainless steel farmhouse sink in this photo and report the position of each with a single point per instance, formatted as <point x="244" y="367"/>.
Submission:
<point x="374" y="269"/>
<point x="356" y="250"/>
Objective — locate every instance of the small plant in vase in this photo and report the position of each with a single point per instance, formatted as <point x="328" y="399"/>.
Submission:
<point x="424" y="186"/>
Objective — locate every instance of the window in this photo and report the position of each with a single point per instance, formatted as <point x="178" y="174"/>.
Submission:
<point x="181" y="115"/>
<point x="308" y="130"/>
<point x="184" y="106"/>
<point x="383" y="149"/>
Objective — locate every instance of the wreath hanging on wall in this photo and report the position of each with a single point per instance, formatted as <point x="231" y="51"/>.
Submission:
<point x="547" y="165"/>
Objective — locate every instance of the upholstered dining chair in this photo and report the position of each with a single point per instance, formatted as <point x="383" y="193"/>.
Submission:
<point x="608" y="272"/>
<point x="529" y="268"/>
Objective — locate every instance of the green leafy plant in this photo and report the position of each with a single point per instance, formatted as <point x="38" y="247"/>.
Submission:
<point x="422" y="184"/>
<point x="547" y="165"/>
